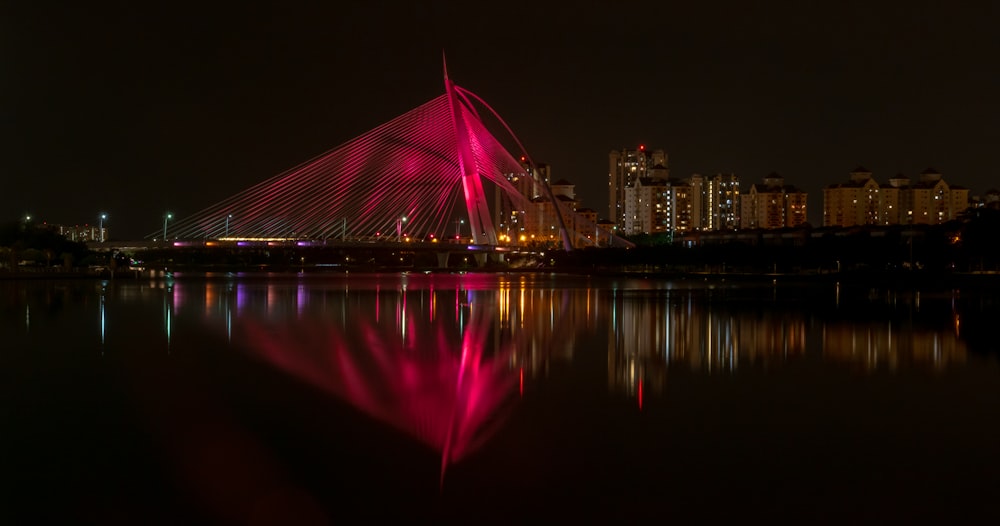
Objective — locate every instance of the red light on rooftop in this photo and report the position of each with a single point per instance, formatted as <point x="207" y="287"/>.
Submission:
<point x="642" y="147"/>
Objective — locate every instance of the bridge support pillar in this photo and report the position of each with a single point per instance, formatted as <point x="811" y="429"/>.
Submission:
<point x="481" y="259"/>
<point x="443" y="259"/>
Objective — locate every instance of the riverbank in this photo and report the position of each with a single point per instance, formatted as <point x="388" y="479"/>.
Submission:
<point x="898" y="279"/>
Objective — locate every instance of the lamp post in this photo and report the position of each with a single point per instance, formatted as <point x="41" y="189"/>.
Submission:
<point x="458" y="229"/>
<point x="228" y="217"/>
<point x="100" y="228"/>
<point x="399" y="229"/>
<point x="166" y="218"/>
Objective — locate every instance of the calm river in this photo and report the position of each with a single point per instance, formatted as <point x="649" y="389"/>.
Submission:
<point x="494" y="398"/>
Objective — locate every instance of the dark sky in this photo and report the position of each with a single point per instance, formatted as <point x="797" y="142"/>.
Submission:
<point x="136" y="108"/>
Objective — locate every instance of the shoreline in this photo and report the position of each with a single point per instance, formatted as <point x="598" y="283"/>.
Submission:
<point x="910" y="279"/>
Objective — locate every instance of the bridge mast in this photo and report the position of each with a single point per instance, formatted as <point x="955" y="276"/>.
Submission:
<point x="483" y="232"/>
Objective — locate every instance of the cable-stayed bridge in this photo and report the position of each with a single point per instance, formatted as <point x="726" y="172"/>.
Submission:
<point x="417" y="177"/>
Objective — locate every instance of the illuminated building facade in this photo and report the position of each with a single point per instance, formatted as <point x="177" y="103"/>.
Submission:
<point x="932" y="201"/>
<point x="648" y="207"/>
<point x="625" y="168"/>
<point x="79" y="233"/>
<point x="715" y="202"/>
<point x="862" y="201"/>
<point x="725" y="215"/>
<point x="773" y="204"/>
<point x="541" y="223"/>
<point x="682" y="200"/>
<point x="854" y="202"/>
<point x="513" y="222"/>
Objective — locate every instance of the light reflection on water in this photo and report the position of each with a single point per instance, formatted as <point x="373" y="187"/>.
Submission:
<point x="448" y="359"/>
<point x="530" y="320"/>
<point x="526" y="321"/>
<point x="706" y="328"/>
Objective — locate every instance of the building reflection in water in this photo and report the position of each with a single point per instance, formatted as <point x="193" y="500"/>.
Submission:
<point x="443" y="357"/>
<point x="922" y="334"/>
<point x="701" y="330"/>
<point x="714" y="331"/>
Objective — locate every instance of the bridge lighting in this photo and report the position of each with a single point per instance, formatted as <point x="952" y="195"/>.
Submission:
<point x="325" y="191"/>
<point x="399" y="228"/>
<point x="100" y="228"/>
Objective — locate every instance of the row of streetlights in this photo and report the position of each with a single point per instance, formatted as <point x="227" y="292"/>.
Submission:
<point x="100" y="224"/>
<point x="168" y="216"/>
<point x="399" y="228"/>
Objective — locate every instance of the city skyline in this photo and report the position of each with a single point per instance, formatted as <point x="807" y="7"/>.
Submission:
<point x="139" y="110"/>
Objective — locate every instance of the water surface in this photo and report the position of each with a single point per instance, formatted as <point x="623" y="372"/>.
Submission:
<point x="315" y="399"/>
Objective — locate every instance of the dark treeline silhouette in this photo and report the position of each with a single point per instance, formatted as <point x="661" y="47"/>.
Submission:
<point x="23" y="242"/>
<point x="969" y="245"/>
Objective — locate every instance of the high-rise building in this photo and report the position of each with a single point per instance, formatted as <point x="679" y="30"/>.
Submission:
<point x="932" y="201"/>
<point x="862" y="201"/>
<point x="80" y="233"/>
<point x="542" y="222"/>
<point x="891" y="204"/>
<point x="715" y="202"/>
<point x="854" y="202"/>
<point x="660" y="204"/>
<point x="682" y="200"/>
<point x="511" y="221"/>
<point x="648" y="207"/>
<point x="773" y="204"/>
<point x="625" y="167"/>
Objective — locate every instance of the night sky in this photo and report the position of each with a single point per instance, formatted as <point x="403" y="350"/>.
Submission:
<point x="137" y="108"/>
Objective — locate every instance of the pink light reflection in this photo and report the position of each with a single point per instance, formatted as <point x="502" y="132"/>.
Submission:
<point x="437" y="386"/>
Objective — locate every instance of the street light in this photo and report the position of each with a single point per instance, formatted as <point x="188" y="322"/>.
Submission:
<point x="458" y="228"/>
<point x="166" y="218"/>
<point x="228" y="217"/>
<point x="100" y="228"/>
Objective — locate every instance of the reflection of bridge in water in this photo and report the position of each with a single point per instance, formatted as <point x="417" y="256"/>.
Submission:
<point x="438" y="357"/>
<point x="520" y="326"/>
<point x="419" y="176"/>
<point x="444" y="358"/>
